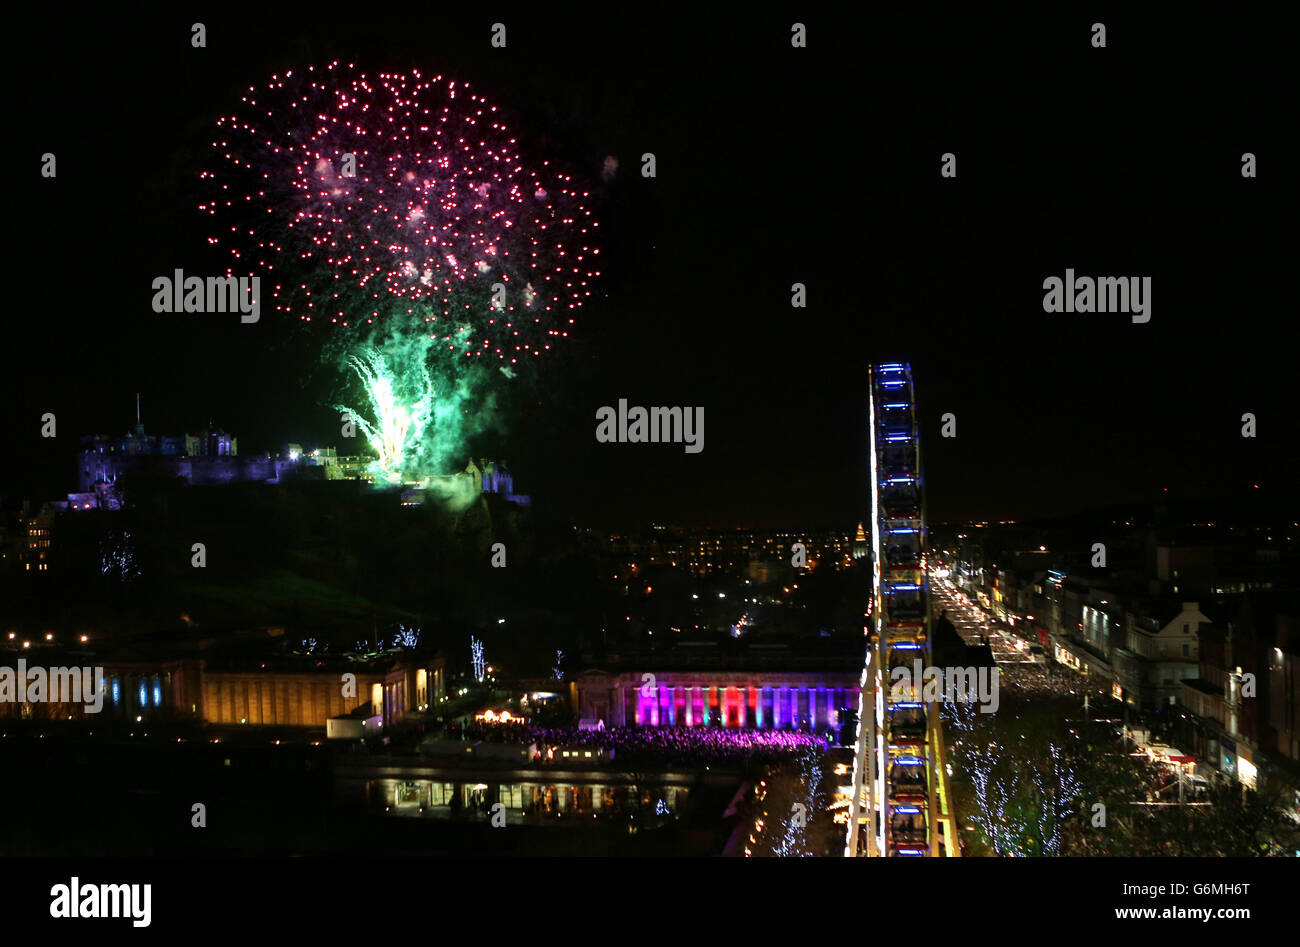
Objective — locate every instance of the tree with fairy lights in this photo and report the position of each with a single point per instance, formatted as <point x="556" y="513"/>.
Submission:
<point x="478" y="663"/>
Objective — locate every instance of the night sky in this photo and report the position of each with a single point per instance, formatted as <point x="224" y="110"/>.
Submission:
<point x="775" y="165"/>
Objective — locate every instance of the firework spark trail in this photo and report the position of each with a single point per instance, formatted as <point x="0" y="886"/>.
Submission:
<point x="401" y="207"/>
<point x="401" y="417"/>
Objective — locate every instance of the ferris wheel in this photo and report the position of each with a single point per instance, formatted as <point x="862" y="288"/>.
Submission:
<point x="901" y="805"/>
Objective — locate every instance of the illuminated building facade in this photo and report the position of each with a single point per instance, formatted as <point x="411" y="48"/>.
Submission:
<point x="529" y="793"/>
<point x="310" y="694"/>
<point x="37" y="529"/>
<point x="766" y="700"/>
<point x="296" y="691"/>
<point x="296" y="700"/>
<point x="808" y="685"/>
<point x="208" y="458"/>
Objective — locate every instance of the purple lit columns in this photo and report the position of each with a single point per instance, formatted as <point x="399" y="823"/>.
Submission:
<point x="765" y="707"/>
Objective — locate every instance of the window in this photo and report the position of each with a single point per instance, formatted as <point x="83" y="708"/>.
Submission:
<point x="1185" y="650"/>
<point x="410" y="793"/>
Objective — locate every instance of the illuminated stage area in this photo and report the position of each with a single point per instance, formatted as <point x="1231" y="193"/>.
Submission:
<point x="772" y="701"/>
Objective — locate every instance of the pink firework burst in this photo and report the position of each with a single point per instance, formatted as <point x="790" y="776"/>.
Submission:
<point x="369" y="196"/>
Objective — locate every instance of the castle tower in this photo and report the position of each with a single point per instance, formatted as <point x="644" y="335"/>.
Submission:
<point x="861" y="545"/>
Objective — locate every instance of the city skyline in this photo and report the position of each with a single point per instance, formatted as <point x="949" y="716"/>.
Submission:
<point x="454" y="434"/>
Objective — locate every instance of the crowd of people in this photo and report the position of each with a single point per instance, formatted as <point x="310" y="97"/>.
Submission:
<point x="649" y="744"/>
<point x="682" y="744"/>
<point x="1044" y="680"/>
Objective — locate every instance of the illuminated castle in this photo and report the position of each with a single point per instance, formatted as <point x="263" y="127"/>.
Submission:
<point x="211" y="457"/>
<point x="495" y="478"/>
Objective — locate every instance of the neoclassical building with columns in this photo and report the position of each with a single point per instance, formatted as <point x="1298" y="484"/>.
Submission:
<point x="775" y="689"/>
